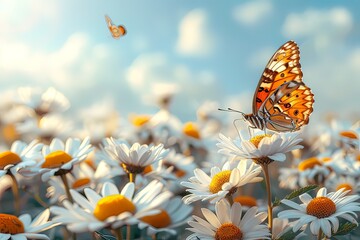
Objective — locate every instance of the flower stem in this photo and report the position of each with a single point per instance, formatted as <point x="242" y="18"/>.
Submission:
<point x="128" y="232"/>
<point x="132" y="177"/>
<point x="265" y="168"/>
<point x="230" y="199"/>
<point x="118" y="234"/>
<point x="67" y="189"/>
<point x="15" y="190"/>
<point x="320" y="234"/>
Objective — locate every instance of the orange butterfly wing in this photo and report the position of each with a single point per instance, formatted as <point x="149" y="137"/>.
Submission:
<point x="289" y="107"/>
<point x="116" y="31"/>
<point x="284" y="66"/>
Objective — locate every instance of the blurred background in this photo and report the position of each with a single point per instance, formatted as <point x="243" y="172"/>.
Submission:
<point x="199" y="50"/>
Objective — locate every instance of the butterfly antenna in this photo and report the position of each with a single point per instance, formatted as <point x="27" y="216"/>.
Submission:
<point x="230" y="110"/>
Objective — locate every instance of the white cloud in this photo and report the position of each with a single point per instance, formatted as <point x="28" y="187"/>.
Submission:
<point x="73" y="64"/>
<point x="252" y="12"/>
<point x="324" y="27"/>
<point x="195" y="37"/>
<point x="29" y="14"/>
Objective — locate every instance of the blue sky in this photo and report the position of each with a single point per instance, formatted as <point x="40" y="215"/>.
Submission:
<point x="209" y="49"/>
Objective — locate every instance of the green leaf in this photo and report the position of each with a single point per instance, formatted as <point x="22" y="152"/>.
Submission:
<point x="345" y="228"/>
<point x="289" y="235"/>
<point x="295" y="194"/>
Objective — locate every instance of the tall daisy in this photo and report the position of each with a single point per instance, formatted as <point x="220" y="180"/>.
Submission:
<point x="111" y="209"/>
<point x="221" y="182"/>
<point x="59" y="157"/>
<point x="58" y="160"/>
<point x="263" y="149"/>
<point x="20" y="155"/>
<point x="22" y="227"/>
<point x="228" y="223"/>
<point x="323" y="211"/>
<point x="134" y="159"/>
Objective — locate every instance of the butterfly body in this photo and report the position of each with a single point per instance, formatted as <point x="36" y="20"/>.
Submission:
<point x="282" y="102"/>
<point x="116" y="31"/>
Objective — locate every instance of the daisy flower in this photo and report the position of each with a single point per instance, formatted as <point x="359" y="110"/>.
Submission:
<point x="21" y="155"/>
<point x="59" y="158"/>
<point x="22" y="227"/>
<point x="42" y="102"/>
<point x="335" y="182"/>
<point x="133" y="159"/>
<point x="110" y="209"/>
<point x="181" y="167"/>
<point x="221" y="182"/>
<point x="314" y="170"/>
<point x="228" y="223"/>
<point x="282" y="226"/>
<point x="49" y="127"/>
<point x="173" y="215"/>
<point x="323" y="211"/>
<point x="248" y="202"/>
<point x="81" y="177"/>
<point x="263" y="148"/>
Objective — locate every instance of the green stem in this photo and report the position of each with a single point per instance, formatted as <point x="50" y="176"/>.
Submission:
<point x="15" y="190"/>
<point x="320" y="234"/>
<point x="265" y="168"/>
<point x="67" y="189"/>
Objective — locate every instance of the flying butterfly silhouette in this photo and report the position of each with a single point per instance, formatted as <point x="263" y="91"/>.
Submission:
<point x="282" y="102"/>
<point x="116" y="31"/>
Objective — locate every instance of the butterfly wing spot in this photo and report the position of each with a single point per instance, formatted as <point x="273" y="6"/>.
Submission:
<point x="287" y="105"/>
<point x="258" y="100"/>
<point x="296" y="112"/>
<point x="282" y="75"/>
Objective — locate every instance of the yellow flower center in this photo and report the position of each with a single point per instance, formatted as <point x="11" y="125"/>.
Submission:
<point x="90" y="163"/>
<point x="139" y="120"/>
<point x="344" y="185"/>
<point x="246" y="201"/>
<point x="191" y="130"/>
<point x="56" y="159"/>
<point x="81" y="182"/>
<point x="256" y="139"/>
<point x="10" y="224"/>
<point x="113" y="205"/>
<point x="160" y="220"/>
<point x="148" y="169"/>
<point x="348" y="134"/>
<point x="228" y="231"/>
<point x="179" y="173"/>
<point x="218" y="180"/>
<point x="9" y="132"/>
<point x="7" y="158"/>
<point x="309" y="163"/>
<point x="321" y="207"/>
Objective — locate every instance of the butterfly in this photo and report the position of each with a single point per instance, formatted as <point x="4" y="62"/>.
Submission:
<point x="116" y="31"/>
<point x="281" y="102"/>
